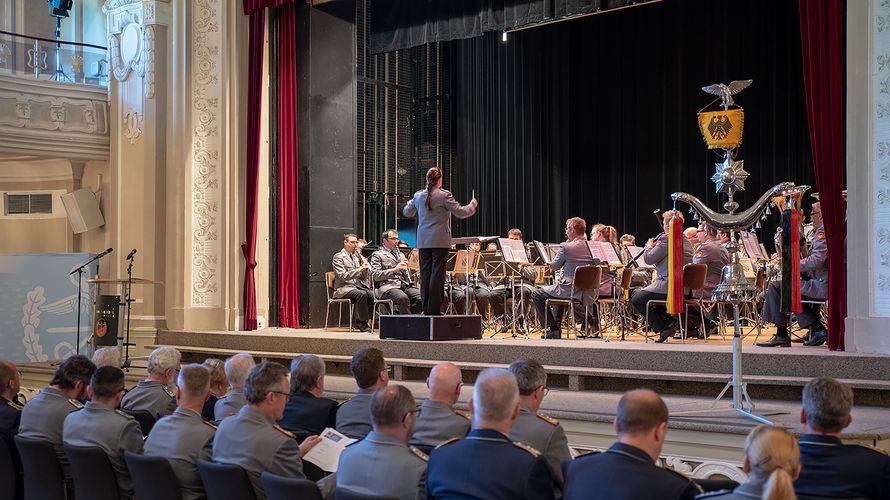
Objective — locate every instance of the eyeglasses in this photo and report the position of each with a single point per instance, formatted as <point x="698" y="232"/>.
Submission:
<point x="546" y="390"/>
<point x="285" y="394"/>
<point x="409" y="412"/>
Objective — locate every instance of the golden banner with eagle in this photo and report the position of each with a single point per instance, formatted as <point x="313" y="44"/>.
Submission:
<point x="722" y="129"/>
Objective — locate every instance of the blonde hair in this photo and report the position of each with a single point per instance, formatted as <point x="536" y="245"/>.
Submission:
<point x="774" y="458"/>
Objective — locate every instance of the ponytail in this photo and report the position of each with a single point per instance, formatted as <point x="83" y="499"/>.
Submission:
<point x="779" y="486"/>
<point x="433" y="176"/>
<point x="774" y="458"/>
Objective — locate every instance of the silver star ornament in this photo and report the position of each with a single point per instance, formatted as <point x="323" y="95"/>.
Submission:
<point x="730" y="176"/>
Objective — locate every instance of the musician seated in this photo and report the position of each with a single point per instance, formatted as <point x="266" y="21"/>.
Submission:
<point x="351" y="280"/>
<point x="813" y="286"/>
<point x="714" y="255"/>
<point x="656" y="254"/>
<point x="478" y="288"/>
<point x="501" y="290"/>
<point x="389" y="268"/>
<point x="605" y="234"/>
<point x="573" y="253"/>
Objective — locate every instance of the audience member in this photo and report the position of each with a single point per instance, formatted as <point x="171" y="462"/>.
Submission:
<point x="184" y="437"/>
<point x="438" y="421"/>
<point x="44" y="416"/>
<point x="831" y="468"/>
<point x="772" y="461"/>
<point x="383" y="464"/>
<point x="306" y="410"/>
<point x="641" y="424"/>
<point x="532" y="427"/>
<point x="107" y="356"/>
<point x="487" y="464"/>
<point x="371" y="373"/>
<point x="10" y="407"/>
<point x="100" y="425"/>
<point x="237" y="368"/>
<point x="251" y="439"/>
<point x="218" y="386"/>
<point x="154" y="394"/>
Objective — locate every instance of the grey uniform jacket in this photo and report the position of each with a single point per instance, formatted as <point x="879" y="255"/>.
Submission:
<point x="571" y="255"/>
<point x="437" y="423"/>
<point x="544" y="434"/>
<point x="354" y="415"/>
<point x="44" y="416"/>
<point x="381" y="465"/>
<point x="745" y="491"/>
<point x="658" y="256"/>
<point x="183" y="438"/>
<point x="715" y="256"/>
<point x="101" y="426"/>
<point x="434" y="225"/>
<point x="814" y="268"/>
<point x="347" y="276"/>
<point x="151" y="396"/>
<point x="381" y="264"/>
<point x="251" y="440"/>
<point x="229" y="405"/>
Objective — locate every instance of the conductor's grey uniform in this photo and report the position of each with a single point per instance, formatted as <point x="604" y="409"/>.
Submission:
<point x="813" y="286"/>
<point x="437" y="423"/>
<point x="544" y="434"/>
<point x="394" y="285"/>
<point x="354" y="415"/>
<point x="43" y="418"/>
<point x="183" y="438"/>
<point x="352" y="283"/>
<point x="252" y="441"/>
<point x="571" y="255"/>
<point x="382" y="465"/>
<point x="230" y="404"/>
<point x="101" y="426"/>
<point x="657" y="256"/>
<point x="151" y="396"/>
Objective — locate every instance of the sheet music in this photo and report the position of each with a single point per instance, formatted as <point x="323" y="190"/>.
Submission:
<point x="514" y="250"/>
<point x="596" y="251"/>
<point x="608" y="252"/>
<point x="752" y="246"/>
<point x="542" y="252"/>
<point x="637" y="251"/>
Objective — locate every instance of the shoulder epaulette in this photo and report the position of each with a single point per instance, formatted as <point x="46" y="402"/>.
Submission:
<point x="169" y="392"/>
<point x="871" y="448"/>
<point x="125" y="414"/>
<point x="75" y="403"/>
<point x="712" y="494"/>
<point x="15" y="406"/>
<point x="209" y="424"/>
<point x="448" y="441"/>
<point x="462" y="414"/>
<point x="419" y="454"/>
<point x="522" y="446"/>
<point x="284" y="431"/>
<point x="547" y="418"/>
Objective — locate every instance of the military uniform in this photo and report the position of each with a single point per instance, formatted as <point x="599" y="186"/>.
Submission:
<point x="813" y="286"/>
<point x="43" y="418"/>
<point x="624" y="472"/>
<point x="252" y="441"/>
<point x="544" y="434"/>
<point x="745" y="491"/>
<point x="151" y="396"/>
<point x="394" y="285"/>
<point x="832" y="469"/>
<point x="354" y="415"/>
<point x="437" y="423"/>
<point x="183" y="438"/>
<point x="488" y="465"/>
<point x="712" y="254"/>
<point x="382" y="465"/>
<point x="230" y="404"/>
<point x="352" y="283"/>
<point x="306" y="412"/>
<point x="571" y="255"/>
<point x="657" y="256"/>
<point x="10" y="416"/>
<point x="100" y="426"/>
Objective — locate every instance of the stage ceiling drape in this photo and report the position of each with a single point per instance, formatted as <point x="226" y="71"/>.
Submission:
<point x="596" y="117"/>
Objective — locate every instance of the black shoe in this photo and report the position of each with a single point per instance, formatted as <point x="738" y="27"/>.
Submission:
<point x="712" y="329"/>
<point x="694" y="334"/>
<point x="804" y="339"/>
<point x="776" y="341"/>
<point x="363" y="328"/>
<point x="817" y="338"/>
<point x="666" y="334"/>
<point x="552" y="335"/>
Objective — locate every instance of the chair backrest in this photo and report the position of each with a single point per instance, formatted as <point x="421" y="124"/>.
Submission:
<point x="153" y="477"/>
<point x="587" y="278"/>
<point x="225" y="481"/>
<point x="694" y="276"/>
<point x="716" y="484"/>
<point x="760" y="280"/>
<point x="144" y="418"/>
<point x="329" y="281"/>
<point x="94" y="478"/>
<point x="627" y="275"/>
<point x="289" y="488"/>
<point x="43" y="473"/>
<point x="8" y="473"/>
<point x="341" y="493"/>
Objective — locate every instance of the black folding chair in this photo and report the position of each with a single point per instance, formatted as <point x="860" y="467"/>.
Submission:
<point x="9" y="473"/>
<point x="43" y="472"/>
<point x="341" y="493"/>
<point x="94" y="478"/>
<point x="289" y="488"/>
<point x="225" y="481"/>
<point x="144" y="418"/>
<point x="153" y="477"/>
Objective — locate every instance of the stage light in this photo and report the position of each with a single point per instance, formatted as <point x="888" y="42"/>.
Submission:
<point x="504" y="37"/>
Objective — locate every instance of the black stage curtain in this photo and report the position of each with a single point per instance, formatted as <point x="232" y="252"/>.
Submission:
<point x="400" y="24"/>
<point x="596" y="117"/>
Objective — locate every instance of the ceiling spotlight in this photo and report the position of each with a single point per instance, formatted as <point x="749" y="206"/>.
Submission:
<point x="504" y="37"/>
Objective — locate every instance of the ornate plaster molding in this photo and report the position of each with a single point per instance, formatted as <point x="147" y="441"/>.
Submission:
<point x="692" y="467"/>
<point x="880" y="158"/>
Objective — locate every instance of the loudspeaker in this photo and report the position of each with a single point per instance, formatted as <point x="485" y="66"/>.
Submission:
<point x="419" y="327"/>
<point x="83" y="210"/>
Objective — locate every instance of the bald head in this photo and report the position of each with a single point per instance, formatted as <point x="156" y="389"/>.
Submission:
<point x="639" y="411"/>
<point x="495" y="397"/>
<point x="445" y="383"/>
<point x="9" y="379"/>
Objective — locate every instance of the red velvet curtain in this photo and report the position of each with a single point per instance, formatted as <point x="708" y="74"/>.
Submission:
<point x="288" y="230"/>
<point x="822" y="41"/>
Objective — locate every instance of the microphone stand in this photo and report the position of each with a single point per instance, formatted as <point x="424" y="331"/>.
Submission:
<point x="129" y="302"/>
<point x="79" y="272"/>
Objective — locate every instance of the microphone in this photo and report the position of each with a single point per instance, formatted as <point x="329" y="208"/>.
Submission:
<point x="131" y="254"/>
<point x="106" y="252"/>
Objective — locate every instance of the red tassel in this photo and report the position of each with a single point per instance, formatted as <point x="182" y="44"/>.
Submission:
<point x="796" y="306"/>
<point x="675" y="266"/>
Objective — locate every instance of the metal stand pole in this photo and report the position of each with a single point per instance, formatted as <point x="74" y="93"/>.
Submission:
<point x="129" y="302"/>
<point x="79" y="289"/>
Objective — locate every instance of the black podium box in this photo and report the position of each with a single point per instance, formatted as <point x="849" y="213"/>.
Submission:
<point x="419" y="327"/>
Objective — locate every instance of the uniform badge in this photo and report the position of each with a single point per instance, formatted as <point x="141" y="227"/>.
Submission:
<point x="14" y="406"/>
<point x="449" y="441"/>
<point x="419" y="454"/>
<point x="169" y="392"/>
<point x="535" y="453"/>
<point x="285" y="432"/>
<point x="462" y="414"/>
<point x="209" y="424"/>
<point x="700" y="254"/>
<point x="75" y="403"/>
<point x="125" y="414"/>
<point x="820" y="234"/>
<point x="547" y="418"/>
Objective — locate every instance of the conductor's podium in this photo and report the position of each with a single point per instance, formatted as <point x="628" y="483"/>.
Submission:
<point x="420" y="327"/>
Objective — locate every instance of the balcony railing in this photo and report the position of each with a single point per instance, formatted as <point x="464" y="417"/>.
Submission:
<point x="48" y="59"/>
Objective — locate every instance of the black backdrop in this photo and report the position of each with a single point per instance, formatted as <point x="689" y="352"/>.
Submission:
<point x="596" y="117"/>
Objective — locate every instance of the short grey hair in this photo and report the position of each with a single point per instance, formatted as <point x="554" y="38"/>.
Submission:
<point x="530" y="375"/>
<point x="237" y="368"/>
<point x="827" y="403"/>
<point x="107" y="356"/>
<point x="263" y="379"/>
<point x="390" y="404"/>
<point x="194" y="380"/>
<point x="162" y="359"/>
<point x="304" y="372"/>
<point x="495" y="395"/>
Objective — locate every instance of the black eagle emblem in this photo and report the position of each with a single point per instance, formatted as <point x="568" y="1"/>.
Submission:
<point x="719" y="127"/>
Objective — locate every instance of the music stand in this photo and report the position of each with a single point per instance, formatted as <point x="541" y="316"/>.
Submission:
<point x="127" y="283"/>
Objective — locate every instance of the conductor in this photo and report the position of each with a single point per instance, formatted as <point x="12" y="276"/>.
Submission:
<point x="433" y="207"/>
